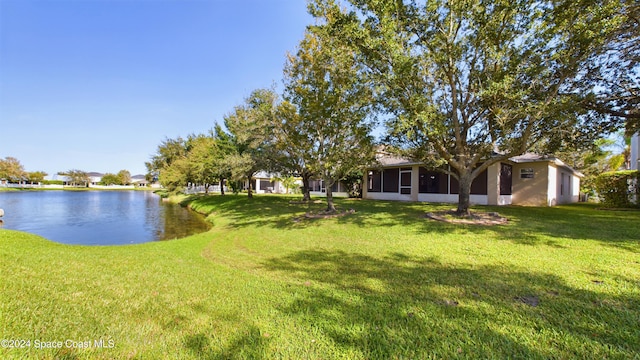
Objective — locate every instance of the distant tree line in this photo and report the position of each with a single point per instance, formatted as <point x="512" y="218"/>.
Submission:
<point x="12" y="170"/>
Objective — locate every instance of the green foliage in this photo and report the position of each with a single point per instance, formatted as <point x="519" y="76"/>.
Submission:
<point x="353" y="182"/>
<point x="466" y="79"/>
<point x="52" y="182"/>
<point x="36" y="176"/>
<point x="11" y="169"/>
<point x="124" y="177"/>
<point x="76" y="177"/>
<point x="596" y="158"/>
<point x="611" y="82"/>
<point x="327" y="126"/>
<point x="289" y="182"/>
<point x="110" y="179"/>
<point x="168" y="153"/>
<point x="619" y="189"/>
<point x="251" y="131"/>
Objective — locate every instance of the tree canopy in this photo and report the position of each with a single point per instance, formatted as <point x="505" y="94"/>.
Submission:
<point x="326" y="126"/>
<point x="251" y="127"/>
<point x="11" y="169"/>
<point x="77" y="177"/>
<point x="466" y="84"/>
<point x="611" y="81"/>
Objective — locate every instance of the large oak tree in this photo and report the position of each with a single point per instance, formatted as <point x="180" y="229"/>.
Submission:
<point x="470" y="83"/>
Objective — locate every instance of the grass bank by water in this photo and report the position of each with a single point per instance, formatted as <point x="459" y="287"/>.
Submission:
<point x="383" y="282"/>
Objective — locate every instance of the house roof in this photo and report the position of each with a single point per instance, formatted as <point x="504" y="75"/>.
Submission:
<point x="531" y="157"/>
<point x="387" y="159"/>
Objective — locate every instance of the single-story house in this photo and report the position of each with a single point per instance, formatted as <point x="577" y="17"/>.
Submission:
<point x="94" y="178"/>
<point x="139" y="180"/>
<point x="528" y="179"/>
<point x="264" y="182"/>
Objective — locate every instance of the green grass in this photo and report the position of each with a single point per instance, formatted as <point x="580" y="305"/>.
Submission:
<point x="381" y="283"/>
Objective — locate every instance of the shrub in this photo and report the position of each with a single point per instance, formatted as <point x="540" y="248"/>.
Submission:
<point x="52" y="182"/>
<point x="619" y="189"/>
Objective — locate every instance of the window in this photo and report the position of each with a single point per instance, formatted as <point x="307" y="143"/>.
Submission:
<point x="266" y="184"/>
<point x="374" y="181"/>
<point x="478" y="185"/>
<point x="526" y="173"/>
<point x="431" y="182"/>
<point x="390" y="179"/>
<point x="316" y="185"/>
<point x="336" y="187"/>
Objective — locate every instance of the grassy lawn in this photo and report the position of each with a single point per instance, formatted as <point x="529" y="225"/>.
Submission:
<point x="380" y="283"/>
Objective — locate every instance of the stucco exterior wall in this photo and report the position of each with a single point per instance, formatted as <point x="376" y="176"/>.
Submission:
<point x="531" y="191"/>
<point x="567" y="189"/>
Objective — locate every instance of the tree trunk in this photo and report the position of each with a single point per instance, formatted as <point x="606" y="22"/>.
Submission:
<point x="221" y="186"/>
<point x="250" y="192"/>
<point x="306" y="196"/>
<point x="464" y="193"/>
<point x="331" y="208"/>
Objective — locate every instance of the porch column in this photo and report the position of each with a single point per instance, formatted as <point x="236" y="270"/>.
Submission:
<point x="415" y="182"/>
<point x="365" y="184"/>
<point x="493" y="184"/>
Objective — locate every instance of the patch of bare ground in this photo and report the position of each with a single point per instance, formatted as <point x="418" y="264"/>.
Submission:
<point x="324" y="214"/>
<point x="303" y="202"/>
<point x="475" y="218"/>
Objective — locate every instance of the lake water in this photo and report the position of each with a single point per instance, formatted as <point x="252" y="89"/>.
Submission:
<point x="98" y="217"/>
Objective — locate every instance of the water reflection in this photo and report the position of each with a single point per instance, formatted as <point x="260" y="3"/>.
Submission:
<point x="98" y="217"/>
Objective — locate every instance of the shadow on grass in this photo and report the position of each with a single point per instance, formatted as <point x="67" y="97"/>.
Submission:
<point x="527" y="225"/>
<point x="409" y="307"/>
<point x="248" y="344"/>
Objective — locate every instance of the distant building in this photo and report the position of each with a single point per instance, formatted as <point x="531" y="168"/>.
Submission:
<point x="139" y="180"/>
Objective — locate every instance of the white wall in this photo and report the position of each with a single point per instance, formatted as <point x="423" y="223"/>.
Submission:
<point x="324" y="194"/>
<point x="635" y="152"/>
<point x="388" y="196"/>
<point x="553" y="186"/>
<point x="453" y="198"/>
<point x="575" y="188"/>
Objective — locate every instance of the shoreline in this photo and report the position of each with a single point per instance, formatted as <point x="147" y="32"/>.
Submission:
<point x="71" y="188"/>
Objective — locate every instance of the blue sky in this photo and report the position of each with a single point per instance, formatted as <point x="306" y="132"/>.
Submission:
<point x="96" y="85"/>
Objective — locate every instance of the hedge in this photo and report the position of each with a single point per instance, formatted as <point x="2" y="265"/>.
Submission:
<point x="52" y="182"/>
<point x="619" y="189"/>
